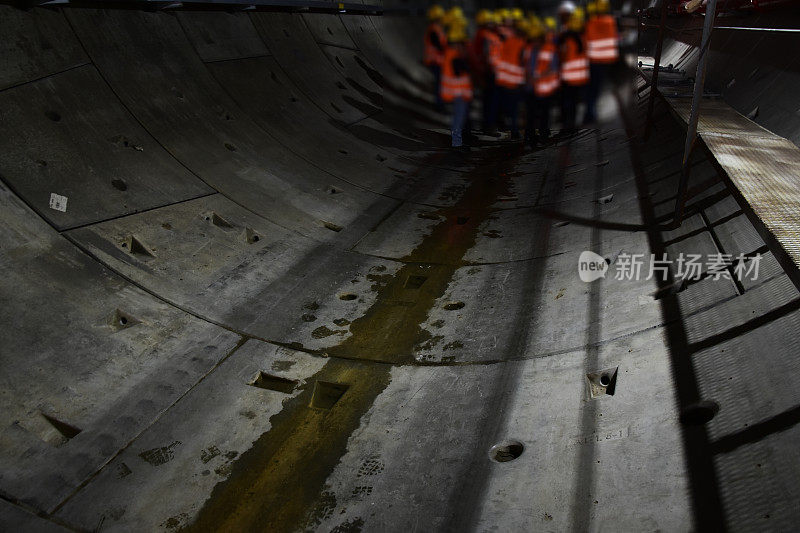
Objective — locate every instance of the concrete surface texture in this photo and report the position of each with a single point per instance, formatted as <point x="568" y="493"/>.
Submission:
<point x="275" y="301"/>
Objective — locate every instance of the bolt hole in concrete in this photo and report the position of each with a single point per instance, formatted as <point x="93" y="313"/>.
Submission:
<point x="699" y="413"/>
<point x="120" y="320"/>
<point x="52" y="115"/>
<point x="326" y="394"/>
<point x="119" y="184"/>
<point x="603" y="382"/>
<point x="67" y="431"/>
<point x="251" y="236"/>
<point x="452" y="306"/>
<point x="506" y="451"/>
<point x="348" y="296"/>
<point x="219" y="221"/>
<point x="275" y="383"/>
<point x="230" y="147"/>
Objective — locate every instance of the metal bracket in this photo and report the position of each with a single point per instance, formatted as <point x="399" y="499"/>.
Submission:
<point x="697" y="96"/>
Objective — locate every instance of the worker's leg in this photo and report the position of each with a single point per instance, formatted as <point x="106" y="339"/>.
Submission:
<point x="547" y="109"/>
<point x="542" y="117"/>
<point x="502" y="108"/>
<point x="597" y="76"/>
<point x="436" y="70"/>
<point x="530" y="117"/>
<point x="489" y="104"/>
<point x="460" y="110"/>
<point x="569" y="103"/>
<point x="513" y="111"/>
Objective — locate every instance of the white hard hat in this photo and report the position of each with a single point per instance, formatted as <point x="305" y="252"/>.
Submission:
<point x="566" y="7"/>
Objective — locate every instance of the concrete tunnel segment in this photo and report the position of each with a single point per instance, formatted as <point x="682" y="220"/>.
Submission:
<point x="274" y="302"/>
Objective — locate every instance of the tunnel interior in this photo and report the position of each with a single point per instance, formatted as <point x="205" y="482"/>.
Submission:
<point x="246" y="285"/>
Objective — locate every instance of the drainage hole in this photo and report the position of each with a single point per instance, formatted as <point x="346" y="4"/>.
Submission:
<point x="255" y="238"/>
<point x="348" y="296"/>
<point x="52" y="115"/>
<point x="605" y="380"/>
<point x="452" y="306"/>
<point x="119" y="184"/>
<point x="123" y="321"/>
<point x="506" y="451"/>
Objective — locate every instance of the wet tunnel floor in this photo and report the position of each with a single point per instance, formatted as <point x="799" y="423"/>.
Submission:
<point x="304" y="443"/>
<point x="273" y="438"/>
<point x="472" y="336"/>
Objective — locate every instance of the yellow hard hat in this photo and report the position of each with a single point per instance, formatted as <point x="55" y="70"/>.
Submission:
<point x="591" y="8"/>
<point x="517" y="14"/>
<point x="535" y="27"/>
<point x="435" y="12"/>
<point x="575" y="22"/>
<point x="504" y="13"/>
<point x="455" y="12"/>
<point x="482" y="17"/>
<point x="456" y="34"/>
<point x="550" y="23"/>
<point x="523" y="25"/>
<point x="603" y="6"/>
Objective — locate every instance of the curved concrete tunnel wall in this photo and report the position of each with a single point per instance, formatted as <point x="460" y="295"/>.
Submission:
<point x="261" y="193"/>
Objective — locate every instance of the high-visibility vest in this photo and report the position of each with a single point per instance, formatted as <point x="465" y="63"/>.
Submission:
<point x="574" y="64"/>
<point x="601" y="39"/>
<point x="454" y="86"/>
<point x="494" y="49"/>
<point x="510" y="72"/>
<point x="546" y="81"/>
<point x="431" y="55"/>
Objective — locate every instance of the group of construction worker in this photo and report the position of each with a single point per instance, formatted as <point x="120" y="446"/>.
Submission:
<point x="514" y="58"/>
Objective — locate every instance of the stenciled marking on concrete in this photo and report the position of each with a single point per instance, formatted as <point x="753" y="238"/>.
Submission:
<point x="602" y="436"/>
<point x="279" y="483"/>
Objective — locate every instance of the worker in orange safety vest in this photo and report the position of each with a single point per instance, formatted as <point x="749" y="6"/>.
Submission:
<point x="510" y="70"/>
<point x="485" y="52"/>
<point x="574" y="70"/>
<point x="456" y="86"/>
<point x="602" y="49"/>
<point x="433" y="52"/>
<point x="543" y="79"/>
